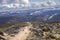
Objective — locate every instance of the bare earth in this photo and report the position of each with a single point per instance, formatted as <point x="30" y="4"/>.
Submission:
<point x="32" y="31"/>
<point x="23" y="34"/>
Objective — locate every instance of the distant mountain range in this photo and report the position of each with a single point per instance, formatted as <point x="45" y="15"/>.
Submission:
<point x="34" y="15"/>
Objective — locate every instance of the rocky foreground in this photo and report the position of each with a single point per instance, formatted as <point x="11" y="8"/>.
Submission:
<point x="32" y="31"/>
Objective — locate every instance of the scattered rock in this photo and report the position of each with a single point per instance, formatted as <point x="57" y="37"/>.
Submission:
<point x="39" y="31"/>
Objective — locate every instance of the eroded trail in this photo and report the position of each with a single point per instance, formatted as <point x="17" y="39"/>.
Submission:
<point x="23" y="34"/>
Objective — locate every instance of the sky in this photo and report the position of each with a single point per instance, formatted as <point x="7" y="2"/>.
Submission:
<point x="43" y="0"/>
<point x="27" y="3"/>
<point x="11" y="1"/>
<point x="37" y="0"/>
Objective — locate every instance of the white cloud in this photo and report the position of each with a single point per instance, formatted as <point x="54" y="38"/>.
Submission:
<point x="51" y="3"/>
<point x="35" y="4"/>
<point x="17" y="1"/>
<point x="27" y="3"/>
<point x="4" y="1"/>
<point x="44" y="4"/>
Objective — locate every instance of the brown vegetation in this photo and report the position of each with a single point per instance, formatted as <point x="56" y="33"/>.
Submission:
<point x="38" y="30"/>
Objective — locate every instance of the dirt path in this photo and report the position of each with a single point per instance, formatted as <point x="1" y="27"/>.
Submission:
<point x="23" y="34"/>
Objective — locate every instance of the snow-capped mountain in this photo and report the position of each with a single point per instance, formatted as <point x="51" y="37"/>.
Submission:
<point x="39" y="15"/>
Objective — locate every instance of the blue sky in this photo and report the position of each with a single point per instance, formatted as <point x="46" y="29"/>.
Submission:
<point x="44" y="0"/>
<point x="36" y="0"/>
<point x="26" y="3"/>
<point x="57" y="1"/>
<point x="40" y="0"/>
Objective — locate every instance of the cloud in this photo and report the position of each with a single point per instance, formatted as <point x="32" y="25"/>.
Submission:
<point x="43" y="4"/>
<point x="4" y="1"/>
<point x="35" y="4"/>
<point x="51" y="3"/>
<point x="25" y="1"/>
<point x="28" y="4"/>
<point x="17" y="1"/>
